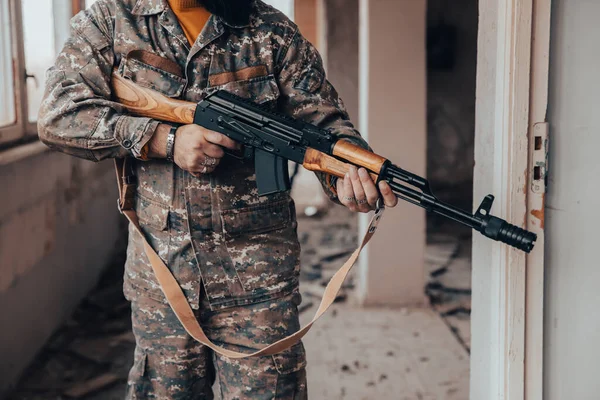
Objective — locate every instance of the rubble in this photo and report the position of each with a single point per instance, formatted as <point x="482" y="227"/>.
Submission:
<point x="93" y="385"/>
<point x="90" y="356"/>
<point x="448" y="263"/>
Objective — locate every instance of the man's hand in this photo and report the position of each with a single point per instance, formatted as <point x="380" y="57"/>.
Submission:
<point x="197" y="150"/>
<point x="358" y="192"/>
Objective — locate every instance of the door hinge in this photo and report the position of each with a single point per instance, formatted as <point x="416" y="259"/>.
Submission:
<point x="539" y="158"/>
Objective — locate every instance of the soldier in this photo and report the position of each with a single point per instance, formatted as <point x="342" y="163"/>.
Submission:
<point x="234" y="254"/>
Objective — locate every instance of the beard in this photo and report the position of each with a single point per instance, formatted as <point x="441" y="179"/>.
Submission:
<point x="234" y="12"/>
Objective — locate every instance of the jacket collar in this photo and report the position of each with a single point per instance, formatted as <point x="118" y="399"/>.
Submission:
<point x="153" y="7"/>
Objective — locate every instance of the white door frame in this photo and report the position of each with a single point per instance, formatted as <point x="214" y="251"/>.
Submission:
<point x="512" y="85"/>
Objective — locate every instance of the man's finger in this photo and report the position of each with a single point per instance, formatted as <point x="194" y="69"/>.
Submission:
<point x="201" y="171"/>
<point x="359" y="193"/>
<point x="369" y="187"/>
<point x="209" y="161"/>
<point x="346" y="195"/>
<point x="213" y="150"/>
<point x="389" y="198"/>
<point x="221" y="140"/>
<point x="339" y="186"/>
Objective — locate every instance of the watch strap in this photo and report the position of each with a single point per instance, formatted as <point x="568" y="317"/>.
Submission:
<point x="171" y="143"/>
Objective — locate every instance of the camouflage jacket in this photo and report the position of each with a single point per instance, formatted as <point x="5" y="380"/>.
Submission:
<point x="214" y="229"/>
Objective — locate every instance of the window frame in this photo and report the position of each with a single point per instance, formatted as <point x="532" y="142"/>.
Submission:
<point x="22" y="131"/>
<point x="17" y="130"/>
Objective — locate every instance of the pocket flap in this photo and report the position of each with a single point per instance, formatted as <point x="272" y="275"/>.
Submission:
<point x="85" y="26"/>
<point x="290" y="360"/>
<point x="257" y="219"/>
<point x="259" y="90"/>
<point x="153" y="72"/>
<point x="152" y="214"/>
<point x="243" y="74"/>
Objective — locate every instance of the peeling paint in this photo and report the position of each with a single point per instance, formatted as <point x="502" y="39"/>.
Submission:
<point x="539" y="214"/>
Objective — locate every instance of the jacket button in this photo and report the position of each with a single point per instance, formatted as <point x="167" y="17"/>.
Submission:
<point x="127" y="143"/>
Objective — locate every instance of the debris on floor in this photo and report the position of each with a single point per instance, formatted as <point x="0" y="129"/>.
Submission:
<point x="448" y="265"/>
<point x="383" y="354"/>
<point x="90" y="356"/>
<point x="83" y="389"/>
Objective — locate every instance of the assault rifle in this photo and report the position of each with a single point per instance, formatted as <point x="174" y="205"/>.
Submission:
<point x="272" y="139"/>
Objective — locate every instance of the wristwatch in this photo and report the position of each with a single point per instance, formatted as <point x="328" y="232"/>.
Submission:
<point x="171" y="143"/>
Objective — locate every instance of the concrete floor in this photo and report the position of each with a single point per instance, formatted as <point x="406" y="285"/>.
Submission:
<point x="385" y="354"/>
<point x="353" y="353"/>
<point x="402" y="354"/>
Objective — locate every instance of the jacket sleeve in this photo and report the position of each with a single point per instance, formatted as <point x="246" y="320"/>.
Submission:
<point x="77" y="116"/>
<point x="306" y="94"/>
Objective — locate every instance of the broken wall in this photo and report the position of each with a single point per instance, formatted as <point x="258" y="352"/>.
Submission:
<point x="59" y="228"/>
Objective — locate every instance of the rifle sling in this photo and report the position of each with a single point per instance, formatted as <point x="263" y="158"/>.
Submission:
<point x="178" y="301"/>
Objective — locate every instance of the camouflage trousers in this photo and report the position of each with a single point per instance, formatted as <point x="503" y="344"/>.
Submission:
<point x="169" y="364"/>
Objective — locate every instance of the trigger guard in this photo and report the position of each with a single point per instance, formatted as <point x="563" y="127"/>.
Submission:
<point x="246" y="153"/>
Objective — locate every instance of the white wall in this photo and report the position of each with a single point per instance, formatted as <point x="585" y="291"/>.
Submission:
<point x="285" y="6"/>
<point x="59" y="228"/>
<point x="392" y="111"/>
<point x="572" y="297"/>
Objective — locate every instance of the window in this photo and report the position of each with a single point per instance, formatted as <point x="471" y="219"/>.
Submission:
<point x="31" y="33"/>
<point x="38" y="37"/>
<point x="285" y="6"/>
<point x="8" y="114"/>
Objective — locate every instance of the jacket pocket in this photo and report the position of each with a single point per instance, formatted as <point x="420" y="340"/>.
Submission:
<point x="152" y="214"/>
<point x="161" y="228"/>
<point x="257" y="219"/>
<point x="260" y="90"/>
<point x="137" y="381"/>
<point x="153" y="72"/>
<point x="290" y="360"/>
<point x="140" y="280"/>
<point x="263" y="247"/>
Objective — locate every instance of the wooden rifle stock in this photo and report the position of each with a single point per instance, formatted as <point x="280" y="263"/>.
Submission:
<point x="145" y="102"/>
<point x="149" y="103"/>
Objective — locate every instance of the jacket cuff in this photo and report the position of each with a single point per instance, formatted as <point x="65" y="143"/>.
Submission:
<point x="133" y="133"/>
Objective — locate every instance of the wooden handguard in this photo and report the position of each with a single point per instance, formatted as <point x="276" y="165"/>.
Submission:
<point x="314" y="160"/>
<point x="358" y="156"/>
<point x="149" y="103"/>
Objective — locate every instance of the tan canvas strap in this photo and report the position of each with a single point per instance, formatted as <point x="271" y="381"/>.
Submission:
<point x="182" y="308"/>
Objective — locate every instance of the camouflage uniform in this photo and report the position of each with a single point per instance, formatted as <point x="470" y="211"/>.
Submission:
<point x="235" y="254"/>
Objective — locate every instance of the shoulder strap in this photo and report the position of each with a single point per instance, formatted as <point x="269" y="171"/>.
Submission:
<point x="182" y="308"/>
